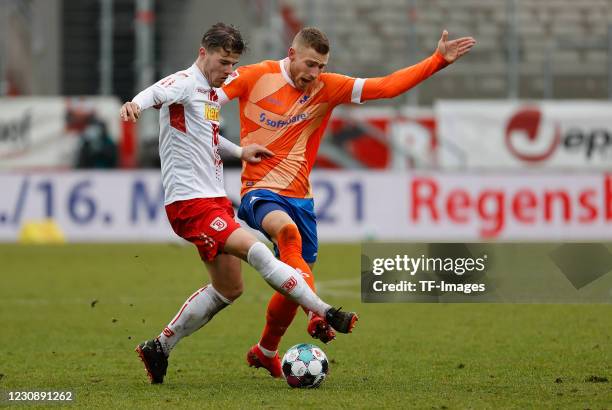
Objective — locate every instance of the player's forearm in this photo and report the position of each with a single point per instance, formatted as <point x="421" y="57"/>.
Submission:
<point x="402" y="80"/>
<point x="228" y="148"/>
<point x="150" y="97"/>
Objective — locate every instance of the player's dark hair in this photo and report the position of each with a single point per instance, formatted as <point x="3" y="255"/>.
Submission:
<point x="224" y="36"/>
<point x="314" y="38"/>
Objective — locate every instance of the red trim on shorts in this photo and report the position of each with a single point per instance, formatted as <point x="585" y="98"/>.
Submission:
<point x="177" y="117"/>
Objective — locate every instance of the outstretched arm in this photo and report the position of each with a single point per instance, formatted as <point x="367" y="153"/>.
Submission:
<point x="402" y="80"/>
<point x="171" y="89"/>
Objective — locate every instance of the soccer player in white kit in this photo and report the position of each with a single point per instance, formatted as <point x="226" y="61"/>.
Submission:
<point x="195" y="199"/>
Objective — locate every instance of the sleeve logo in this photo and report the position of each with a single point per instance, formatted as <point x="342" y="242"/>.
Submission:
<point x="231" y="77"/>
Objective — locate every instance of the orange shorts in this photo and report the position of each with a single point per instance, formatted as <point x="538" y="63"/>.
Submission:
<point x="205" y="222"/>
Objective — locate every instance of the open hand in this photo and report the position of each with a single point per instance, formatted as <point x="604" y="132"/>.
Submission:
<point x="453" y="49"/>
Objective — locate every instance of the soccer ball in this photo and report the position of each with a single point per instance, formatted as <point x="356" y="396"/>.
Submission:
<point x="305" y="366"/>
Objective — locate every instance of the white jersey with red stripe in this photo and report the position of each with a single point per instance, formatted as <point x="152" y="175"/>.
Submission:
<point x="189" y="140"/>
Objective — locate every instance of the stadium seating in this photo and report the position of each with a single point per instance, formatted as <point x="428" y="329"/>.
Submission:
<point x="373" y="38"/>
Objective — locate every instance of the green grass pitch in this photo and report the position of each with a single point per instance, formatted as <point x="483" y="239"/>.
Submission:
<point x="400" y="356"/>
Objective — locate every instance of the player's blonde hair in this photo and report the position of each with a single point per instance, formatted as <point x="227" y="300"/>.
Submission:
<point x="313" y="38"/>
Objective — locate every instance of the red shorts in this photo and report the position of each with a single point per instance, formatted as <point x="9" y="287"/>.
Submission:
<point x="205" y="222"/>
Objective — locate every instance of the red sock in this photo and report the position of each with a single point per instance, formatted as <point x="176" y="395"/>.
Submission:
<point x="282" y="310"/>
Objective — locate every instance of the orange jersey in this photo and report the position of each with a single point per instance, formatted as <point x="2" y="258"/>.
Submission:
<point x="290" y="123"/>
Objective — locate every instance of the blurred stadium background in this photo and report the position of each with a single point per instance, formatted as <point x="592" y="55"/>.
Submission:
<point x="512" y="143"/>
<point x="533" y="97"/>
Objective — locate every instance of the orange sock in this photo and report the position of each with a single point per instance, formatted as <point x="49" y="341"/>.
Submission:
<point x="279" y="316"/>
<point x="290" y="247"/>
<point x="282" y="310"/>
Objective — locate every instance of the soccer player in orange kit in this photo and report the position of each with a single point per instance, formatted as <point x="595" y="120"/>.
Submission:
<point x="285" y="106"/>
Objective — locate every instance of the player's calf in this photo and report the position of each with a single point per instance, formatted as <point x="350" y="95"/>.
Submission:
<point x="286" y="280"/>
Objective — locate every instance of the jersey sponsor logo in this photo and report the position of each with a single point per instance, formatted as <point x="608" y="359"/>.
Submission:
<point x="211" y="113"/>
<point x="282" y="123"/>
<point x="289" y="284"/>
<point x="201" y="90"/>
<point x="218" y="224"/>
<point x="303" y="99"/>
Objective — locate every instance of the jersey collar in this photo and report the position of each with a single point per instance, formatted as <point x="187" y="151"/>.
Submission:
<point x="285" y="73"/>
<point x="201" y="76"/>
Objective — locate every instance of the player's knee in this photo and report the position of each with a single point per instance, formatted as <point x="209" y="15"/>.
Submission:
<point x="233" y="292"/>
<point x="289" y="234"/>
<point x="289" y="242"/>
<point x="239" y="243"/>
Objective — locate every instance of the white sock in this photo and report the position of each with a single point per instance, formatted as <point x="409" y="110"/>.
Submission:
<point x="284" y="279"/>
<point x="195" y="313"/>
<point x="266" y="352"/>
